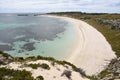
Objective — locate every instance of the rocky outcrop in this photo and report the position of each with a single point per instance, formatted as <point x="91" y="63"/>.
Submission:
<point x="112" y="72"/>
<point x="115" y="24"/>
<point x="5" y="60"/>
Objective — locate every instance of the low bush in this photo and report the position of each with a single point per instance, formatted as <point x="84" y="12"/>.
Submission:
<point x="5" y="54"/>
<point x="10" y="74"/>
<point x="40" y="78"/>
<point x="45" y="66"/>
<point x="34" y="66"/>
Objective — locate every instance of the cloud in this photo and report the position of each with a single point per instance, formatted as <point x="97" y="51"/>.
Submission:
<point x="111" y="6"/>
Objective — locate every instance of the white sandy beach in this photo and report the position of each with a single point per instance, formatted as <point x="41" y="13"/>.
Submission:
<point x="91" y="51"/>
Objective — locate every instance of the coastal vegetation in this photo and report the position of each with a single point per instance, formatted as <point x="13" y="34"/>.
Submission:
<point x="35" y="66"/>
<point x="109" y="26"/>
<point x="23" y="62"/>
<point x="112" y="72"/>
<point x="40" y="78"/>
<point x="48" y="59"/>
<point x="33" y="58"/>
<point x="10" y="74"/>
<point x="5" y="58"/>
<point x="5" y="54"/>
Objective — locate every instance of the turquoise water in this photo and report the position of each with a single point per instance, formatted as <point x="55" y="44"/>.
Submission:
<point x="24" y="36"/>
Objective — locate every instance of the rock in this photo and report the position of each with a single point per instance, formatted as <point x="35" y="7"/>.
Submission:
<point x="67" y="73"/>
<point x="112" y="72"/>
<point x="115" y="24"/>
<point x="5" y="60"/>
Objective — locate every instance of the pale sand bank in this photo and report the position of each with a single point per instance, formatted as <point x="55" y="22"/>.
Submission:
<point x="54" y="73"/>
<point x="91" y="51"/>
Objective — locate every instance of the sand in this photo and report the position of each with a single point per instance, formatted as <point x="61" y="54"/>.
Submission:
<point x="91" y="51"/>
<point x="54" y="73"/>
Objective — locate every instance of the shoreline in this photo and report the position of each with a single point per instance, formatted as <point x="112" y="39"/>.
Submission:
<point x="91" y="51"/>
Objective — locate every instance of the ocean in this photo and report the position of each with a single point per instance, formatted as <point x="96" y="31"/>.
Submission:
<point x="30" y="35"/>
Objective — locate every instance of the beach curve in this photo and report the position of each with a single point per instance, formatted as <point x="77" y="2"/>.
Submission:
<point x="91" y="51"/>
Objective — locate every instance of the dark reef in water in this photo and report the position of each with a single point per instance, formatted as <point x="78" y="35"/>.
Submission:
<point x="29" y="46"/>
<point x="32" y="27"/>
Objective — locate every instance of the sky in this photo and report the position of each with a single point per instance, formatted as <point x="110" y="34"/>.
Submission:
<point x="45" y="6"/>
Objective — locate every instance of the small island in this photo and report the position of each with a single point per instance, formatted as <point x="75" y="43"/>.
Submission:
<point x="22" y="14"/>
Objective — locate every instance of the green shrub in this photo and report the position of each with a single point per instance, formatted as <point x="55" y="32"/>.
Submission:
<point x="46" y="58"/>
<point x="34" y="66"/>
<point x="45" y="66"/>
<point x="15" y="74"/>
<point x="5" y="54"/>
<point x="40" y="78"/>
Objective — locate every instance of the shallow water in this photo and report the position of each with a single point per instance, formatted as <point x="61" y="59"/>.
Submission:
<point x="24" y="36"/>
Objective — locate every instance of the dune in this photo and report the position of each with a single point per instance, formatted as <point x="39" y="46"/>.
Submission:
<point x="91" y="51"/>
<point x="55" y="72"/>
